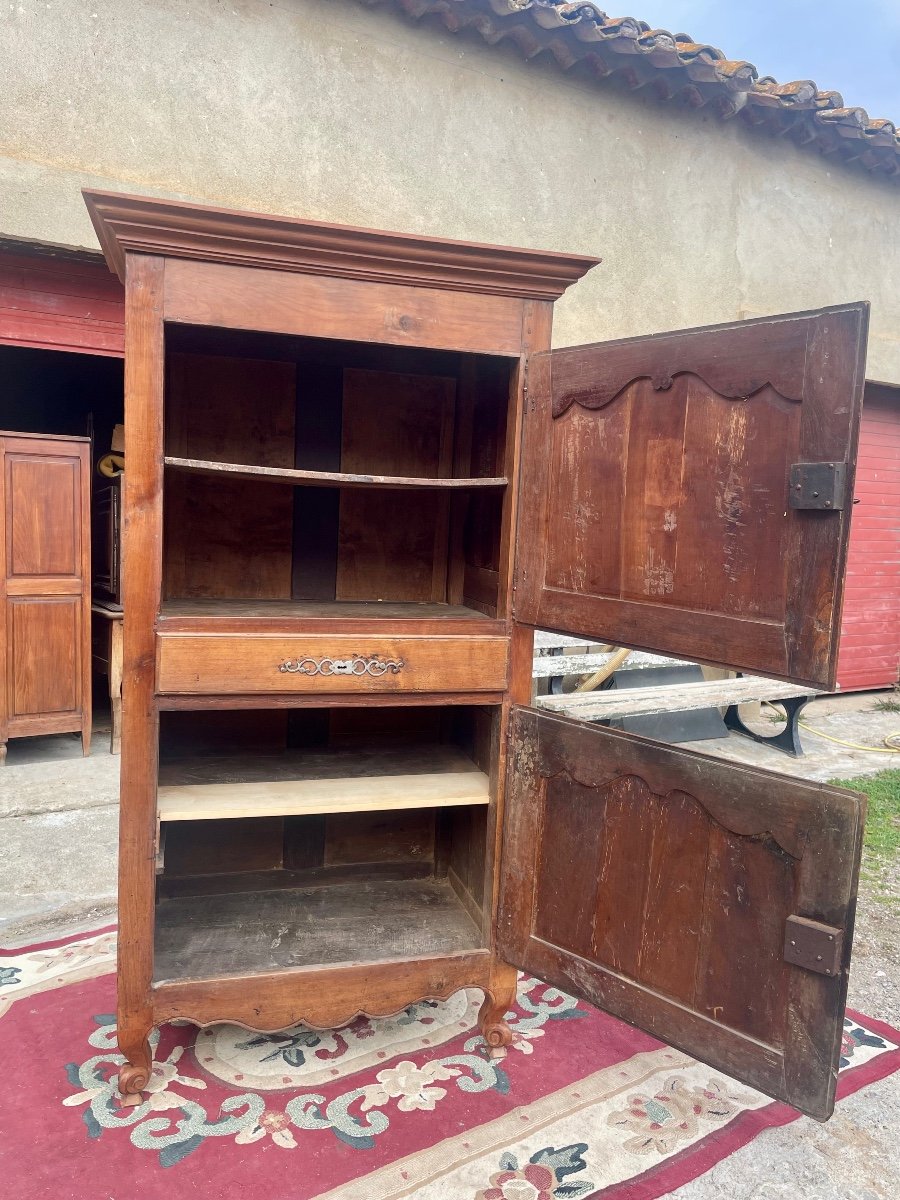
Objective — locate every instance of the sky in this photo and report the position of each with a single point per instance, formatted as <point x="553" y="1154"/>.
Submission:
<point x="848" y="46"/>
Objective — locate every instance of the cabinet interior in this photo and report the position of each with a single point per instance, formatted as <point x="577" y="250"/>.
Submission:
<point x="356" y="834"/>
<point x="304" y="473"/>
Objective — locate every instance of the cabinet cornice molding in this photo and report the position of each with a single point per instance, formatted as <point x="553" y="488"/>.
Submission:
<point x="145" y="225"/>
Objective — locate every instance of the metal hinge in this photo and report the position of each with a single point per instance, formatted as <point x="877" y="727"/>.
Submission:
<point x="819" y="485"/>
<point x="811" y="944"/>
<point x="528" y="402"/>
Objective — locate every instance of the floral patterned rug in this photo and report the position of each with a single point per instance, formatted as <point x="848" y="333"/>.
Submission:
<point x="583" y="1106"/>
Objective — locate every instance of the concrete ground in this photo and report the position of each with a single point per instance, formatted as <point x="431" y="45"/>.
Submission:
<point x="58" y="829"/>
<point x="59" y="816"/>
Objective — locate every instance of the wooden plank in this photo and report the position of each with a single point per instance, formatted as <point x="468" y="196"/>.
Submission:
<point x="235" y="701"/>
<point x="548" y="666"/>
<point x="621" y="887"/>
<point x="282" y="879"/>
<point x="216" y="848"/>
<point x="749" y="890"/>
<point x="715" y="693"/>
<point x="326" y="478"/>
<point x="230" y="297"/>
<point x="674" y="894"/>
<point x="544" y="641"/>
<point x="324" y="610"/>
<point x="211" y="801"/>
<point x="562" y="916"/>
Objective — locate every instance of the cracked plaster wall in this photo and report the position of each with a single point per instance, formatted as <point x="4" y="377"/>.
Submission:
<point x="327" y="109"/>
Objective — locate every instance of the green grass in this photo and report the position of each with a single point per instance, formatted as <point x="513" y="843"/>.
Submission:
<point x="882" y="836"/>
<point x="890" y="705"/>
<point x="883" y="822"/>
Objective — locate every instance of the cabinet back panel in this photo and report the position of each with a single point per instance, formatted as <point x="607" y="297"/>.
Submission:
<point x="316" y="849"/>
<point x="250" y="844"/>
<point x="228" y="538"/>
<point x="239" y="539"/>
<point x="320" y="388"/>
<point x="235" y="731"/>
<point x="389" y="546"/>
<point x="270" y="843"/>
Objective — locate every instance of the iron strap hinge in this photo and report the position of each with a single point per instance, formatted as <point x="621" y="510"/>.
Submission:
<point x="819" y="485"/>
<point x="812" y="945"/>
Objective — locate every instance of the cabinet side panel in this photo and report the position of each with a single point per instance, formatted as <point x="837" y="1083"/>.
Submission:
<point x="515" y="553"/>
<point x="142" y="544"/>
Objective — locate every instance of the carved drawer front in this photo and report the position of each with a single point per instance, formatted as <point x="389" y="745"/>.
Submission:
<point x="233" y="664"/>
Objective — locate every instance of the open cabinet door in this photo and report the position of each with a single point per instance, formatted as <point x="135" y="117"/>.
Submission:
<point x="689" y="493"/>
<point x="707" y="903"/>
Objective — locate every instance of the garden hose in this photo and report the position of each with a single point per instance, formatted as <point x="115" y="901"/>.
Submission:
<point x="892" y="741"/>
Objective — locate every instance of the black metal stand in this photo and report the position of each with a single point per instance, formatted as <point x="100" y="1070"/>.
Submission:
<point x="788" y="740"/>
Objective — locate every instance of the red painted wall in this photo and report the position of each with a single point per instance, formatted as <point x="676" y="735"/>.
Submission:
<point x="54" y="303"/>
<point x="870" y="632"/>
<point x="57" y="304"/>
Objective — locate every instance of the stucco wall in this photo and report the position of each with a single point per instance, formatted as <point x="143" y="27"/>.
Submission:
<point x="326" y="109"/>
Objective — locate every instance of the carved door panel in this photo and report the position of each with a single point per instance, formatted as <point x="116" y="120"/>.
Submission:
<point x="707" y="903"/>
<point x="664" y="505"/>
<point x="45" y="569"/>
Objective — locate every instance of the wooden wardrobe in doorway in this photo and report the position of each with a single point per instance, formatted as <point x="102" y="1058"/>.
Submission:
<point x="45" y="552"/>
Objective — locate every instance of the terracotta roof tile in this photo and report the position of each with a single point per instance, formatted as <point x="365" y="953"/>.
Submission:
<point x="676" y="68"/>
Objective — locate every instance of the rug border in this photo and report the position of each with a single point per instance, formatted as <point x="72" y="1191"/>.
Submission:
<point x="54" y="943"/>
<point x="696" y="1160"/>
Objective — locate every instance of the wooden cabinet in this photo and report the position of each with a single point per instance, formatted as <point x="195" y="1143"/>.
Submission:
<point x="358" y="478"/>
<point x="45" y="631"/>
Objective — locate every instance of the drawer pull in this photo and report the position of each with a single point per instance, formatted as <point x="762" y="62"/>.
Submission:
<point x="357" y="665"/>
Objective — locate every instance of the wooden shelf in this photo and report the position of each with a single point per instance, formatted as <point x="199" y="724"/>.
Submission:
<point x="330" y="479"/>
<point x="202" y="937"/>
<point x="300" y="783"/>
<point x="326" y="610"/>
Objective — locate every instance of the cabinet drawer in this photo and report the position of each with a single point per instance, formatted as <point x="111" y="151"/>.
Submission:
<point x="233" y="664"/>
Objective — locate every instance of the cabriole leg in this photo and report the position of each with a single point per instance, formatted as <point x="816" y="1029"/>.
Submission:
<point x="134" y="1043"/>
<point x="498" y="1000"/>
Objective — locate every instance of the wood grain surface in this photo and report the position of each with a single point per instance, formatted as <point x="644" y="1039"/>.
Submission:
<point x="201" y="937"/>
<point x="656" y="883"/>
<point x="45" y="574"/>
<point x="656" y="507"/>
<point x="213" y="663"/>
